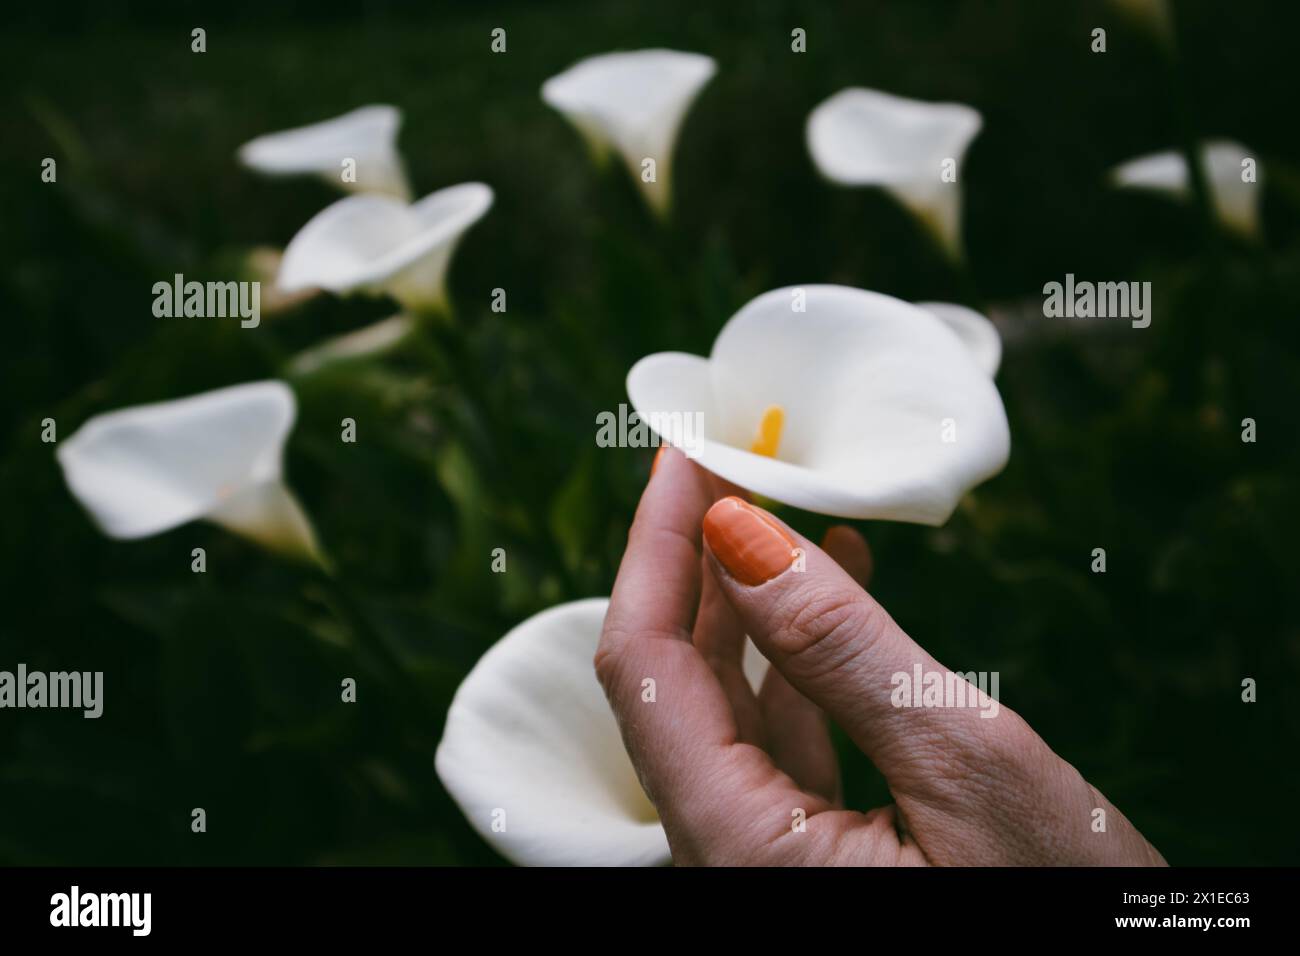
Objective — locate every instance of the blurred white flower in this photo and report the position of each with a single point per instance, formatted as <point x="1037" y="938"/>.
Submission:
<point x="1234" y="196"/>
<point x="863" y="137"/>
<point x="858" y="405"/>
<point x="371" y="340"/>
<point x="217" y="456"/>
<point x="532" y="753"/>
<point x="976" y="332"/>
<point x="367" y="136"/>
<point x="633" y="103"/>
<point x="262" y="265"/>
<point x="378" y="245"/>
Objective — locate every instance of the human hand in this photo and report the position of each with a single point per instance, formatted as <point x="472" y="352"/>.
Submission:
<point x="730" y="771"/>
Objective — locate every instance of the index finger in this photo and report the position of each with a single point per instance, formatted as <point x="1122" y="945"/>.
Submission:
<point x="676" y="720"/>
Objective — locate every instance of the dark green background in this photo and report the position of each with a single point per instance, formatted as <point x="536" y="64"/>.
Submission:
<point x="222" y="690"/>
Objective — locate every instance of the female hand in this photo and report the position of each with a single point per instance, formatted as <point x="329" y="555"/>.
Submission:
<point x="733" y="774"/>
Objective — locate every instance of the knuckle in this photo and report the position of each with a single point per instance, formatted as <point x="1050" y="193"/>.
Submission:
<point x="821" y="617"/>
<point x="607" y="661"/>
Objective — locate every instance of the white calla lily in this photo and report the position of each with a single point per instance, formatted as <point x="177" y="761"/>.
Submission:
<point x="378" y="245"/>
<point x="976" y="332"/>
<point x="862" y="137"/>
<point x="366" y="342"/>
<point x="1235" y="199"/>
<point x="262" y="265"/>
<point x="532" y="753"/>
<point x="633" y="103"/>
<point x="366" y="137"/>
<point x="217" y="456"/>
<point x="858" y="406"/>
<point x="530" y="736"/>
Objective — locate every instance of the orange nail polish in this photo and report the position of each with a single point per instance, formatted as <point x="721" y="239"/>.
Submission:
<point x="654" y="465"/>
<point x="748" y="543"/>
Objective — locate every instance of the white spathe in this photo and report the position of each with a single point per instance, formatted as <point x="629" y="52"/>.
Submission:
<point x="531" y="746"/>
<point x="367" y="136"/>
<point x="633" y="103"/>
<point x="1236" y="201"/>
<point x="862" y="137"/>
<point x="217" y="456"/>
<point x="532" y="753"/>
<point x="366" y="342"/>
<point x="888" y="413"/>
<point x="976" y="332"/>
<point x="379" y="245"/>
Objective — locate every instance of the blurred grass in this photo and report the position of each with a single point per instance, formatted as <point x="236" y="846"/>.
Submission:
<point x="223" y="688"/>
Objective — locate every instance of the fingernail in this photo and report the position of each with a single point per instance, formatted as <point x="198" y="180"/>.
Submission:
<point x="747" y="542"/>
<point x="654" y="465"/>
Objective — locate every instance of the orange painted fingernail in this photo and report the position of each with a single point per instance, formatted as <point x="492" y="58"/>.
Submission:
<point x="748" y="543"/>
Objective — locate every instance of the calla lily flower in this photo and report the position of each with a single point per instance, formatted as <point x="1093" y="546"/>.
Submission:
<point x="378" y="245"/>
<point x="858" y="406"/>
<point x="262" y="265"/>
<point x="367" y="136"/>
<point x="532" y="754"/>
<point x="367" y="342"/>
<point x="633" y="103"/>
<point x="863" y="137"/>
<point x="975" y="331"/>
<point x="1236" y="202"/>
<point x="217" y="456"/>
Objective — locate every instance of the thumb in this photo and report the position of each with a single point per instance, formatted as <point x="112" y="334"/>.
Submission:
<point x="826" y="634"/>
<point x="969" y="789"/>
<point x="842" y="650"/>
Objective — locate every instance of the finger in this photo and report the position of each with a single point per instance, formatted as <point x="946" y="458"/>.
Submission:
<point x="798" y="737"/>
<point x="658" y="583"/>
<point x="721" y="641"/>
<point x="838" y="647"/>
<point x="849" y="550"/>
<point x="718" y="633"/>
<point x="682" y="735"/>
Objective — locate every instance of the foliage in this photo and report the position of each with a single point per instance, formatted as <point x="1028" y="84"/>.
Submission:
<point x="222" y="690"/>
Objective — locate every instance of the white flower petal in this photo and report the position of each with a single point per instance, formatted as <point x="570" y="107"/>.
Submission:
<point x="975" y="331"/>
<point x="219" y="455"/>
<point x="634" y="103"/>
<point x="367" y="136"/>
<point x="371" y="340"/>
<point x="378" y="245"/>
<point x="262" y="265"/>
<point x="866" y="382"/>
<point x="862" y="137"/>
<point x="1236" y="202"/>
<point x="1158" y="172"/>
<point x="270" y="515"/>
<point x="754" y="665"/>
<point x="530" y="733"/>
